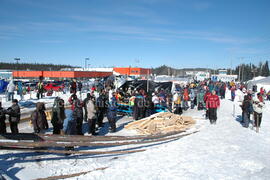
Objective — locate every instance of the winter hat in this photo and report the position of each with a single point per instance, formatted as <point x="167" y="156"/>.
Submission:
<point x="15" y="101"/>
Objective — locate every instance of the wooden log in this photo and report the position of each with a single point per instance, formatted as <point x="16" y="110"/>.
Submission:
<point x="65" y="144"/>
<point x="71" y="175"/>
<point x="75" y="152"/>
<point x="78" y="138"/>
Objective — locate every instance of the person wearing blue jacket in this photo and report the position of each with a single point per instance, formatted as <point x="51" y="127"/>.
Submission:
<point x="20" y="90"/>
<point x="69" y="125"/>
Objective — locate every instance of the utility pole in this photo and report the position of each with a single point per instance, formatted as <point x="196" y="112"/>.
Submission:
<point x="240" y="68"/>
<point x="231" y="66"/>
<point x="17" y="59"/>
<point x="148" y="80"/>
<point x="239" y="77"/>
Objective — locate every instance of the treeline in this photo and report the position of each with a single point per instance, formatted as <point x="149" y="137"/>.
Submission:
<point x="249" y="71"/>
<point x="166" y="70"/>
<point x="245" y="72"/>
<point x="33" y="66"/>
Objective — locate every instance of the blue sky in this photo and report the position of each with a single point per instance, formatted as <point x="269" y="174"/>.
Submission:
<point x="147" y="33"/>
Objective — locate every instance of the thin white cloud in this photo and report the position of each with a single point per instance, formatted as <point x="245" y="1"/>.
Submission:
<point x="52" y="41"/>
<point x="201" y="5"/>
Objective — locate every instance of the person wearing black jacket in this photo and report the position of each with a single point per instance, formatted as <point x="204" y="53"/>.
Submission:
<point x="246" y="108"/>
<point x="3" y="128"/>
<point x="14" y="116"/>
<point x="38" y="118"/>
<point x="78" y="115"/>
<point x="73" y="86"/>
<point x="85" y="101"/>
<point x="58" y="115"/>
<point x="101" y="106"/>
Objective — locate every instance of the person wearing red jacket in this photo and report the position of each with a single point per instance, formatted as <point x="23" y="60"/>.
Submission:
<point x="212" y="103"/>
<point x="262" y="91"/>
<point x="207" y="94"/>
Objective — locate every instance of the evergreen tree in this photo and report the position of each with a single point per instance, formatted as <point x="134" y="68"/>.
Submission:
<point x="265" y="69"/>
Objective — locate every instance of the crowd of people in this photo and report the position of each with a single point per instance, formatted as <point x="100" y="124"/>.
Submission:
<point x="106" y="101"/>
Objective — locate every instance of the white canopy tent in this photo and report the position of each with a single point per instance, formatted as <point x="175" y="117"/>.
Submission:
<point x="262" y="82"/>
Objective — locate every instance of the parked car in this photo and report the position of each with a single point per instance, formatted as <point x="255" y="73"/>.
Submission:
<point x="32" y="86"/>
<point x="54" y="87"/>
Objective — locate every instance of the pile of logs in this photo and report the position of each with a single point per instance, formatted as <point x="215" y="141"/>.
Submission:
<point x="161" y="123"/>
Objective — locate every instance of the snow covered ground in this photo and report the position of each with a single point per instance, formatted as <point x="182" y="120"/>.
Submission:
<point x="222" y="151"/>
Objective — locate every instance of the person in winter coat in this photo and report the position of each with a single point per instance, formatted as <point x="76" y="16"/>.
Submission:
<point x="3" y="129"/>
<point x="200" y="100"/>
<point x="69" y="124"/>
<point x="260" y="97"/>
<point x="149" y="105"/>
<point x="58" y="115"/>
<point x="192" y="98"/>
<point x="262" y="91"/>
<point x="212" y="103"/>
<point x="85" y="101"/>
<point x="211" y="86"/>
<point x="111" y="114"/>
<point x="69" y="128"/>
<point x="246" y="110"/>
<point x="155" y="99"/>
<point x="268" y="96"/>
<point x="177" y="103"/>
<point x="258" y="108"/>
<point x="10" y="90"/>
<point x="185" y="98"/>
<point x="72" y="100"/>
<point x="91" y="116"/>
<point x="40" y="89"/>
<point x="14" y="113"/>
<point x="80" y="88"/>
<point x="222" y="91"/>
<point x="101" y="107"/>
<point x="20" y="90"/>
<point x="38" y="118"/>
<point x="206" y="96"/>
<point x="73" y="86"/>
<point x="78" y="115"/>
<point x="139" y="108"/>
<point x="233" y="89"/>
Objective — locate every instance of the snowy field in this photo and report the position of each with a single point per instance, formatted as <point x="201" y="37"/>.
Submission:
<point x="222" y="151"/>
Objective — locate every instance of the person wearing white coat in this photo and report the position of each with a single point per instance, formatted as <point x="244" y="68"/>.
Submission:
<point x="10" y="90"/>
<point x="258" y="108"/>
<point x="91" y="116"/>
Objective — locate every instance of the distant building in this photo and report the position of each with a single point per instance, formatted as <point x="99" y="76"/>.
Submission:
<point x="94" y="69"/>
<point x="5" y="74"/>
<point x="224" y="77"/>
<point x="198" y="75"/>
<point x="222" y="72"/>
<point x="84" y="73"/>
<point x="131" y="71"/>
<point x="201" y="76"/>
<point x="60" y="74"/>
